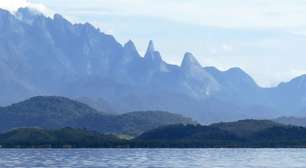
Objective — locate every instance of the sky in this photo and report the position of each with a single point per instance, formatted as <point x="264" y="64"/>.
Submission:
<point x="266" y="38"/>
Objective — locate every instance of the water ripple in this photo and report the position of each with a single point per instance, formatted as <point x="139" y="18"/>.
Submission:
<point x="154" y="158"/>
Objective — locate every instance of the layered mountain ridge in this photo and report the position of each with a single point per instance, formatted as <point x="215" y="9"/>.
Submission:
<point x="51" y="56"/>
<point x="53" y="112"/>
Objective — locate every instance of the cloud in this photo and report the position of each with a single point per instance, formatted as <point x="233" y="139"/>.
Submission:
<point x="13" y="5"/>
<point x="219" y="13"/>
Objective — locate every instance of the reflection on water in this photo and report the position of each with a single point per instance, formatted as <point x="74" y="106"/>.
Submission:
<point x="151" y="158"/>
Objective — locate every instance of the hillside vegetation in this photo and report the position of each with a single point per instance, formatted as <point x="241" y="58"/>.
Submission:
<point x="52" y="112"/>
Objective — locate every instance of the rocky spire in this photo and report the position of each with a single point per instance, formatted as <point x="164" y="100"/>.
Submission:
<point x="151" y="54"/>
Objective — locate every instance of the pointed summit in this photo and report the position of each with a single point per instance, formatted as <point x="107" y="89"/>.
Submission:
<point x="61" y="21"/>
<point x="151" y="54"/>
<point x="153" y="59"/>
<point x="129" y="52"/>
<point x="58" y="17"/>
<point x="130" y="45"/>
<point x="190" y="61"/>
<point x="151" y="47"/>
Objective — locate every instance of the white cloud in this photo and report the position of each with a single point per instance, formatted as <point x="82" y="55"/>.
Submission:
<point x="13" y="5"/>
<point x="220" y="13"/>
<point x="227" y="47"/>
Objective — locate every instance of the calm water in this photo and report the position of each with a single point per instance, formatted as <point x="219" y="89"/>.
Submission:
<point x="151" y="158"/>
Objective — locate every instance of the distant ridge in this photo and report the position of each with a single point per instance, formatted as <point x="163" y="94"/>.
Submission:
<point x="53" y="112"/>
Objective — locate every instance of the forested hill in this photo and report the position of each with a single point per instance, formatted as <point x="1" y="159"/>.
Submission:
<point x="235" y="134"/>
<point x="172" y="136"/>
<point x="58" y="112"/>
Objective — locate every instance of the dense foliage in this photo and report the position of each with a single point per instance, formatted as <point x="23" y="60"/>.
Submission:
<point x="246" y="128"/>
<point x="61" y="138"/>
<point x="246" y="133"/>
<point x="172" y="136"/>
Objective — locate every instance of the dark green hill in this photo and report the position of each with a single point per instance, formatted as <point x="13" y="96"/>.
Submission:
<point x="281" y="134"/>
<point x="59" y="112"/>
<point x="185" y="136"/>
<point x="66" y="137"/>
<point x="172" y="136"/>
<point x="245" y="134"/>
<point x="245" y="128"/>
<point x="44" y="112"/>
<point x="187" y="132"/>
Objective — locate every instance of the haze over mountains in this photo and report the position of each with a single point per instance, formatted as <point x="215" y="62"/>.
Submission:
<point x="52" y="112"/>
<point x="51" y="56"/>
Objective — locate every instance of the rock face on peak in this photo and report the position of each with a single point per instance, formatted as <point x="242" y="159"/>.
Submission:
<point x="130" y="52"/>
<point x="130" y="46"/>
<point x="150" y="49"/>
<point x="152" y="55"/>
<point x="197" y="78"/>
<point x="154" y="61"/>
<point x="190" y="61"/>
<point x="51" y="56"/>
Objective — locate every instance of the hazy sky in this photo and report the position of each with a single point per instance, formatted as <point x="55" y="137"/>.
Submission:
<point x="266" y="38"/>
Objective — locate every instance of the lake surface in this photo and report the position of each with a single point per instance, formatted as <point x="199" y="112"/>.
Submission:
<point x="154" y="158"/>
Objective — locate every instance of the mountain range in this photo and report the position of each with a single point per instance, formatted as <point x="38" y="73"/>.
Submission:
<point x="41" y="55"/>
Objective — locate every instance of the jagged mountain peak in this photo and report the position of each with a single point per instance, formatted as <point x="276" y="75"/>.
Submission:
<point x="28" y="15"/>
<point x="189" y="60"/>
<point x="152" y="54"/>
<point x="130" y="45"/>
<point x="94" y="64"/>
<point x="129" y="52"/>
<point x="130" y="49"/>
<point x="60" y="19"/>
<point x="151" y="46"/>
